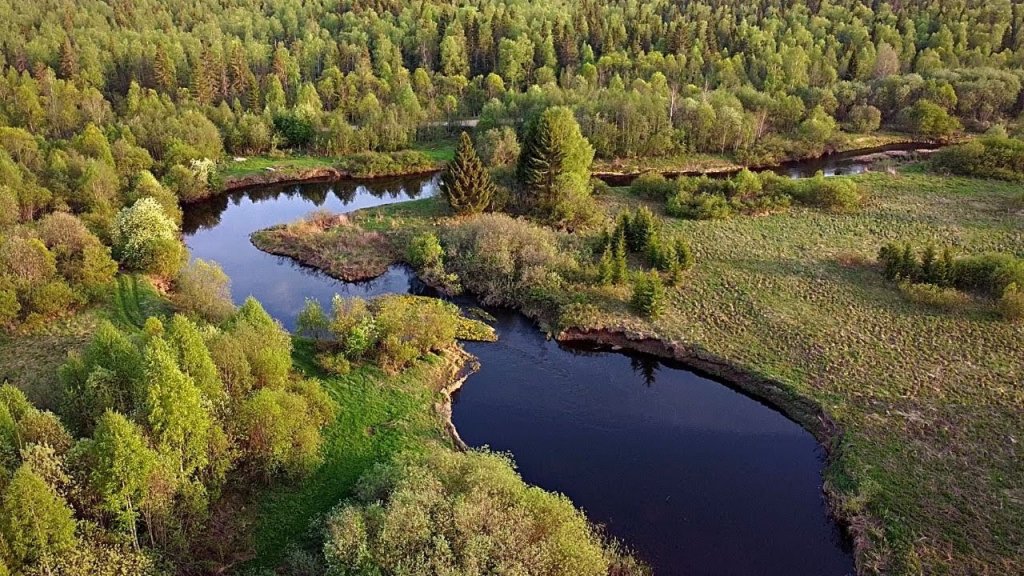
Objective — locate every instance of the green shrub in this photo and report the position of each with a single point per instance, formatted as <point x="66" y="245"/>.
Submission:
<point x="374" y="164"/>
<point x="840" y="195"/>
<point x="425" y="252"/>
<point x="506" y="261"/>
<point x="145" y="239"/>
<point x="994" y="157"/>
<point x="391" y="331"/>
<point x="990" y="273"/>
<point x="652" y="185"/>
<point x="203" y="289"/>
<point x="648" y="294"/>
<point x="435" y="512"/>
<point x="1011" y="303"/>
<point x="934" y="296"/>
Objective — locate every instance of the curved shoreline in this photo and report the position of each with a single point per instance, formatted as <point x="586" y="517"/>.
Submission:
<point x="801" y="409"/>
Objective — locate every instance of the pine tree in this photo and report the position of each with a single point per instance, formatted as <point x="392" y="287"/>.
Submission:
<point x="620" y="268"/>
<point x="606" y="266"/>
<point x="164" y="72"/>
<point x="929" y="265"/>
<point x="466" y="184"/>
<point x="648" y="294"/>
<point x="68" y="60"/>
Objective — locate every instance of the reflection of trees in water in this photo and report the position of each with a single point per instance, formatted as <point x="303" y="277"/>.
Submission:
<point x="646" y="367"/>
<point x="207" y="214"/>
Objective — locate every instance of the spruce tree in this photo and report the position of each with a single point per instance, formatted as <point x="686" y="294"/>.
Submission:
<point x="620" y="268"/>
<point x="466" y="184"/>
<point x="606" y="267"/>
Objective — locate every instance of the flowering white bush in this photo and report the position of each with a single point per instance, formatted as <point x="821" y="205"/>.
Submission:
<point x="145" y="238"/>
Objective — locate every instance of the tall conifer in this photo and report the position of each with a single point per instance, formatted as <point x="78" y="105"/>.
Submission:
<point x="466" y="185"/>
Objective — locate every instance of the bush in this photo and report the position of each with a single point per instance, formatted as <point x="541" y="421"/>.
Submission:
<point x="506" y="261"/>
<point x="989" y="273"/>
<point x="391" y="331"/>
<point x="435" y="513"/>
<point x="993" y="157"/>
<point x="145" y="239"/>
<point x="425" y="252"/>
<point x="1011" y="303"/>
<point x="652" y="185"/>
<point x="839" y="195"/>
<point x="864" y="119"/>
<point x="648" y="295"/>
<point x="374" y="164"/>
<point x="698" y="207"/>
<point x="499" y="147"/>
<point x="203" y="289"/>
<point x="934" y="296"/>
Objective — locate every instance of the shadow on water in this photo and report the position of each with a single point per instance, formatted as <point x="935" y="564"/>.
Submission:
<point x="694" y="476"/>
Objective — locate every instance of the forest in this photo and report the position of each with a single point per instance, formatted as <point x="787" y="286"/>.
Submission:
<point x="163" y="409"/>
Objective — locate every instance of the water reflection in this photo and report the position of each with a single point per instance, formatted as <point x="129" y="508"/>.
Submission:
<point x="694" y="476"/>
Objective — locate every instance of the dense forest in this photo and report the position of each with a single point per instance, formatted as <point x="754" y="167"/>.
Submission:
<point x="115" y="113"/>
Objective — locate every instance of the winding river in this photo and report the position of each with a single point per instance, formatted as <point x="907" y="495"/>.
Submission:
<point x="695" y="477"/>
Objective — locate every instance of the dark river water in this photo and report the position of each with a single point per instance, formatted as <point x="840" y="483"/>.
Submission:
<point x="693" y="476"/>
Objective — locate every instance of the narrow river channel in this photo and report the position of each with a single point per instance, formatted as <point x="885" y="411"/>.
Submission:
<point x="693" y="476"/>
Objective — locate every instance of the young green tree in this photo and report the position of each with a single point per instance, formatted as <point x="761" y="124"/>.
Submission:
<point x="35" y="521"/>
<point x="466" y="184"/>
<point x="648" y="294"/>
<point x="175" y="411"/>
<point x="554" y="167"/>
<point x="145" y="239"/>
<point x="121" y="465"/>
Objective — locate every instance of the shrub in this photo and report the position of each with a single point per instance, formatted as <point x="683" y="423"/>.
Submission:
<point x="391" y="331"/>
<point x="499" y="146"/>
<point x="699" y="207"/>
<point x="989" y="273"/>
<point x="934" y="296"/>
<point x="425" y="251"/>
<point x="992" y="157"/>
<point x="1011" y="303"/>
<point x="652" y="185"/>
<point x="505" y="261"/>
<point x="145" y="239"/>
<point x="203" y="289"/>
<point x="839" y="195"/>
<point x="374" y="164"/>
<point x="864" y="119"/>
<point x="648" y="294"/>
<point x="435" y="512"/>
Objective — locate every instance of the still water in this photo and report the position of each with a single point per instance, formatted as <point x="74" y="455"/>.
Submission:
<point x="693" y="476"/>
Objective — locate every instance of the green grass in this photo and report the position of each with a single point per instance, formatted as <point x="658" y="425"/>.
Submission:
<point x="380" y="415"/>
<point x="441" y="150"/>
<point x="930" y="402"/>
<point x="232" y="170"/>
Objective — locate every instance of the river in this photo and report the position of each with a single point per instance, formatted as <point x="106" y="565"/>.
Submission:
<point x="693" y="476"/>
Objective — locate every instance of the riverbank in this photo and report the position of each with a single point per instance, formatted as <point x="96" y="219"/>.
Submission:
<point x="386" y="414"/>
<point x="907" y="397"/>
<point x="696" y="164"/>
<point x="240" y="173"/>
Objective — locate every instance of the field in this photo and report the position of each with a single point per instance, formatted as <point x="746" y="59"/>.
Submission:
<point x="930" y="404"/>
